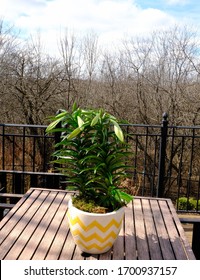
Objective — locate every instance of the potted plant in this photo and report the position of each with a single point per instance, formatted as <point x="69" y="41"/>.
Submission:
<point x="92" y="154"/>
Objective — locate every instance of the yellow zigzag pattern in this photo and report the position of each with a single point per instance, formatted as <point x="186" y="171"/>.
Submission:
<point x="76" y="220"/>
<point x="94" y="236"/>
<point x="94" y="246"/>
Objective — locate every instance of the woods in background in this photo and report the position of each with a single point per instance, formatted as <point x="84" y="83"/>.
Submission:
<point x="137" y="81"/>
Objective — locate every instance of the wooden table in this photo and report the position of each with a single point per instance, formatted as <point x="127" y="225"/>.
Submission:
<point x="37" y="228"/>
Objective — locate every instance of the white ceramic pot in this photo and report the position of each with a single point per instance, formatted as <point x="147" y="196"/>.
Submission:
<point x="94" y="233"/>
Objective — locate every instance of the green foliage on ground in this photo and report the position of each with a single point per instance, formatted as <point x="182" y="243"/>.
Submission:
<point x="184" y="203"/>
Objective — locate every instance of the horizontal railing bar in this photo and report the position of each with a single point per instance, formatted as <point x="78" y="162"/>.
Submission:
<point x="141" y="125"/>
<point x="27" y="135"/>
<point x="31" y="173"/>
<point x="184" y="127"/>
<point x="130" y="125"/>
<point x="11" y="195"/>
<point x="130" y="134"/>
<point x="23" y="125"/>
<point x="183" y="135"/>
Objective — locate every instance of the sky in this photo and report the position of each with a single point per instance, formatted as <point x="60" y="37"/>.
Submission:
<point x="111" y="20"/>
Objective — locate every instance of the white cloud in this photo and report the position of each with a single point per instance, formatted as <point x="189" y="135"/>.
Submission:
<point x="177" y="2"/>
<point x="12" y="9"/>
<point x="111" y="19"/>
<point x="154" y="18"/>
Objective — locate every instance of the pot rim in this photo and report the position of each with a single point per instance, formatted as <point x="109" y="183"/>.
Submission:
<point x="70" y="205"/>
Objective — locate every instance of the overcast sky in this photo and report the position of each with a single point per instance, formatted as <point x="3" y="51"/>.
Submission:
<point x="110" y="19"/>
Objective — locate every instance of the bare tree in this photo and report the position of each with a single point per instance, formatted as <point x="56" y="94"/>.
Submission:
<point x="161" y="68"/>
<point x="35" y="83"/>
<point x="8" y="44"/>
<point x="72" y="63"/>
<point x="91" y="54"/>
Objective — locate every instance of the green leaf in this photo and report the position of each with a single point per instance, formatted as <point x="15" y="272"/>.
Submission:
<point x="118" y="131"/>
<point x="95" y="120"/>
<point x="80" y="122"/>
<point x="58" y="118"/>
<point x="52" y="125"/>
<point x="124" y="196"/>
<point x="74" y="107"/>
<point x="91" y="159"/>
<point x="53" y="130"/>
<point x="74" y="133"/>
<point x="103" y="165"/>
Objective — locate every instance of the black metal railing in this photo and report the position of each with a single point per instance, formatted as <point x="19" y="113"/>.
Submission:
<point x="165" y="160"/>
<point x="25" y="152"/>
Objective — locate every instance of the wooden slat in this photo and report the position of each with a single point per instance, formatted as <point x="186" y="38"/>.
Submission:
<point x="130" y="244"/>
<point x="165" y="245"/>
<point x="118" y="246"/>
<point x="24" y="237"/>
<point x="68" y="248"/>
<point x="141" y="240"/>
<point x="20" y="224"/>
<point x="17" y="213"/>
<point x="15" y="209"/>
<point x="106" y="256"/>
<point x="77" y="254"/>
<point x="188" y="249"/>
<point x="154" y="246"/>
<point x="53" y="220"/>
<point x="41" y="219"/>
<point x="57" y="246"/>
<point x="172" y="232"/>
<point x="63" y="230"/>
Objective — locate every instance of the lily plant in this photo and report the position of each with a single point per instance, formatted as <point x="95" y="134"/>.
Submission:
<point x="92" y="154"/>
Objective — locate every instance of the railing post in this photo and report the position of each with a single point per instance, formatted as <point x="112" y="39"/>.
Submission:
<point x="162" y="156"/>
<point x="18" y="180"/>
<point x="57" y="135"/>
<point x="57" y="138"/>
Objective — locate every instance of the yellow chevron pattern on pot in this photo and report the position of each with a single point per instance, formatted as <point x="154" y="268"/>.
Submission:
<point x="93" y="224"/>
<point x="95" y="248"/>
<point x="96" y="236"/>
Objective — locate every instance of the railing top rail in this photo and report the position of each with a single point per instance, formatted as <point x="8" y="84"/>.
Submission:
<point x="30" y="172"/>
<point x="44" y="126"/>
<point x="122" y="124"/>
<point x="140" y="125"/>
<point x="184" y="126"/>
<point x="23" y="125"/>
